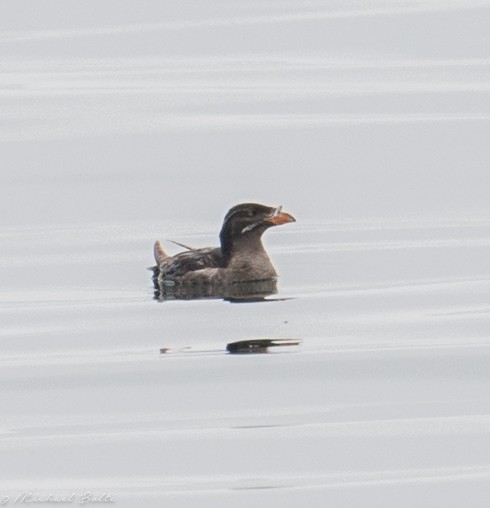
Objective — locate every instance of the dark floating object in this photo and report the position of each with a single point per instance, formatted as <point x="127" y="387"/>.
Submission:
<point x="238" y="270"/>
<point x="259" y="345"/>
<point x="239" y="347"/>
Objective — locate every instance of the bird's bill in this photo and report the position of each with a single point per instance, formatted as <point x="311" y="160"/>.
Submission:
<point x="279" y="217"/>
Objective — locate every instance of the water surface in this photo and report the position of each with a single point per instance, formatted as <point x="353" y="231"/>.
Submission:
<point x="369" y="123"/>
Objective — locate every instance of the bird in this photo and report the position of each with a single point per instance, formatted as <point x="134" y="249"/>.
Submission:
<point x="241" y="256"/>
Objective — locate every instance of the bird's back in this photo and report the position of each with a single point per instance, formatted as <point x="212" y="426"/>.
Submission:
<point x="172" y="268"/>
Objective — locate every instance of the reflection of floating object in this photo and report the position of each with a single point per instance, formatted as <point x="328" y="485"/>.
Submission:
<point x="238" y="347"/>
<point x="211" y="272"/>
<point x="259" y="345"/>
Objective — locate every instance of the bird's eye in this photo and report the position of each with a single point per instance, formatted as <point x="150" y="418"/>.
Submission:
<point x="251" y="213"/>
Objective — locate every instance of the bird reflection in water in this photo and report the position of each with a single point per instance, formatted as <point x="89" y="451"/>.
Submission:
<point x="242" y="291"/>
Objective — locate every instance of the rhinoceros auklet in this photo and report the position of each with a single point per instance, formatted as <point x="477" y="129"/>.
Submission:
<point x="241" y="256"/>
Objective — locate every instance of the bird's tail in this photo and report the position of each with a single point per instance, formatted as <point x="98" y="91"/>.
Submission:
<point x="159" y="253"/>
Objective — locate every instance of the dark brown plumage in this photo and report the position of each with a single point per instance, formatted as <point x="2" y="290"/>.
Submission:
<point x="240" y="257"/>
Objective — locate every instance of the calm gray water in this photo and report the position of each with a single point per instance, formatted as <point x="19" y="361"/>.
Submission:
<point x="368" y="121"/>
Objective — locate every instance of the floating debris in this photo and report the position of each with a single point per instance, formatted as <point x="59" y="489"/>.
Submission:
<point x="259" y="345"/>
<point x="238" y="347"/>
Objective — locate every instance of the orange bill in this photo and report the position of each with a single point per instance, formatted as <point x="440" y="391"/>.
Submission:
<point x="278" y="217"/>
